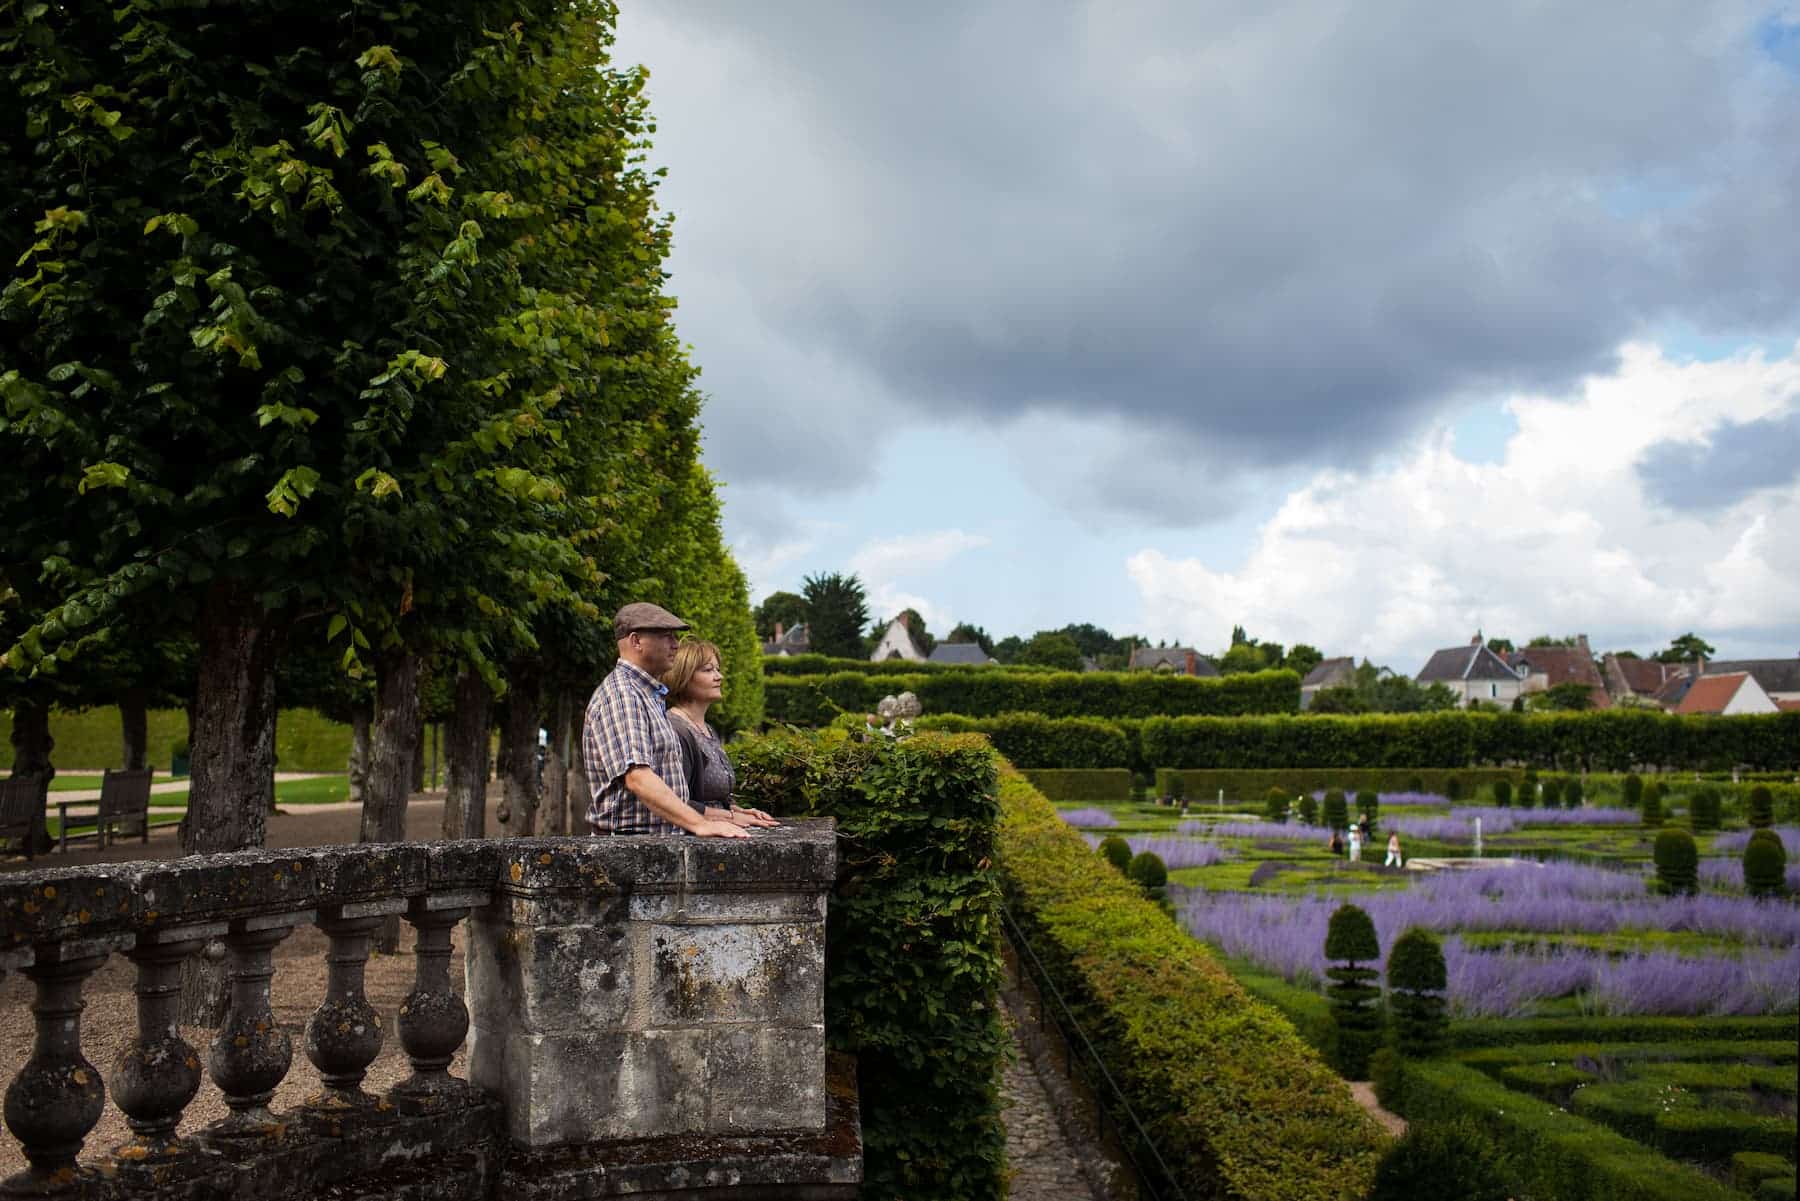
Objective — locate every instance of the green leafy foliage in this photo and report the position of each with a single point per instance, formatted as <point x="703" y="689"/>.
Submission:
<point x="1148" y="872"/>
<point x="1437" y="1159"/>
<point x="1309" y="809"/>
<point x="1275" y="803"/>
<point x="1416" y="979"/>
<point x="1677" y="861"/>
<point x="912" y="971"/>
<point x="1653" y="804"/>
<point x="1551" y="791"/>
<point x="1502" y="790"/>
<point x="837" y="609"/>
<point x="1237" y="1103"/>
<point x="1069" y="742"/>
<point x="1705" y="810"/>
<point x="1368" y="805"/>
<point x="1634" y="790"/>
<point x="1572" y="792"/>
<point x="1076" y="783"/>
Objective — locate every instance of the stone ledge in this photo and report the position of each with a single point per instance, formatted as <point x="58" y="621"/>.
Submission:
<point x="760" y="1166"/>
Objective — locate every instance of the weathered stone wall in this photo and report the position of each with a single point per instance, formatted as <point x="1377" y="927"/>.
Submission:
<point x="647" y="1016"/>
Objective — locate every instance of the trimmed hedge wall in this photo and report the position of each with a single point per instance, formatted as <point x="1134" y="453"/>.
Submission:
<point x="1555" y="1152"/>
<point x="912" y="984"/>
<point x="815" y="700"/>
<point x="1238" y="1105"/>
<point x="1251" y="784"/>
<point x="1507" y="1032"/>
<point x="1081" y="784"/>
<point x="821" y="665"/>
<point x="90" y="740"/>
<point x="1611" y="739"/>
<point x="1068" y="742"/>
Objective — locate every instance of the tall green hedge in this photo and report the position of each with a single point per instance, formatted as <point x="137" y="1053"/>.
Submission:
<point x="1609" y="740"/>
<point x="913" y="972"/>
<point x="822" y="665"/>
<point x="90" y="740"/>
<point x="814" y="700"/>
<point x="1068" y="742"/>
<point x="1238" y="1105"/>
<point x="1081" y="784"/>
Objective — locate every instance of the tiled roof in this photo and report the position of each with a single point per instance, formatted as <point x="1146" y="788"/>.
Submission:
<point x="1642" y="676"/>
<point x="1472" y="662"/>
<point x="1330" y="673"/>
<point x="958" y="652"/>
<point x="1775" y="675"/>
<point x="1710" y="694"/>
<point x="1792" y="706"/>
<point x="797" y="641"/>
<point x="1564" y="665"/>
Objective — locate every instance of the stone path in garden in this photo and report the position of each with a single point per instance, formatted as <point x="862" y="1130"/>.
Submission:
<point x="1044" y="1165"/>
<point x="1364" y="1093"/>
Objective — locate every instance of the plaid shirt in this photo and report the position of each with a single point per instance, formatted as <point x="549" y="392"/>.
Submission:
<point x="627" y="726"/>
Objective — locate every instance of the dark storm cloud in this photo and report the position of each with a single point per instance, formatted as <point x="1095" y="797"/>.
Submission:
<point x="1283" y="232"/>
<point x="1734" y="461"/>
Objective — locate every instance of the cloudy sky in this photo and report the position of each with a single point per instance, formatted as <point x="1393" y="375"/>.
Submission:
<point x="1360" y="326"/>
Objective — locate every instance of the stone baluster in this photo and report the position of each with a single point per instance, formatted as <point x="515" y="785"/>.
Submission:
<point x="433" y="1018"/>
<point x="343" y="1037"/>
<point x="57" y="1096"/>
<point x="155" y="1076"/>
<point x="251" y="1053"/>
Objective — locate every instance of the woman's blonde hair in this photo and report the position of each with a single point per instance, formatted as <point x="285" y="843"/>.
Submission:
<point x="689" y="658"/>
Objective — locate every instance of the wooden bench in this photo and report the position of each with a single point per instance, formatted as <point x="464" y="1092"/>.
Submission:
<point x="124" y="801"/>
<point x="19" y="800"/>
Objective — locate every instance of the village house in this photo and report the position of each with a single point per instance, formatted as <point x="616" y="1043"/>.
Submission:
<point x="1473" y="673"/>
<point x="789" y="642"/>
<point x="897" y="643"/>
<point x="1330" y="673"/>
<point x="1726" y="695"/>
<point x="960" y="652"/>
<point x="1629" y="678"/>
<point x="1182" y="659"/>
<point x="1544" y="667"/>
<point x="1779" y="678"/>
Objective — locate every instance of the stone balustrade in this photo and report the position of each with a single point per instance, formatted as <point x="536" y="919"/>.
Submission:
<point x="647" y="1017"/>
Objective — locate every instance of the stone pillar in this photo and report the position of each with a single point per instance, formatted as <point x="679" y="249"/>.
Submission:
<point x="57" y="1096"/>
<point x="652" y="988"/>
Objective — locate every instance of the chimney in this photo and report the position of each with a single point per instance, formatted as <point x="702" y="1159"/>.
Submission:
<point x="1581" y="641"/>
<point x="1193" y="668"/>
<point x="1476" y="641"/>
<point x="778" y="631"/>
<point x="1699" y="666"/>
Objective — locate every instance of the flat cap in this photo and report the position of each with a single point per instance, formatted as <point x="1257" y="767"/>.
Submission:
<point x="642" y="615"/>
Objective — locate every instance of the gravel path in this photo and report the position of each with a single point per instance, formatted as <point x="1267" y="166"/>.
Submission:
<point x="1044" y="1166"/>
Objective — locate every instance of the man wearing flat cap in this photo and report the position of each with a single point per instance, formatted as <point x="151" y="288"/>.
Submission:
<point x="633" y="755"/>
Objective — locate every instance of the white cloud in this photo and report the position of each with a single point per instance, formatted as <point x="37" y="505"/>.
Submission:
<point x="1558" y="537"/>
<point x="889" y="568"/>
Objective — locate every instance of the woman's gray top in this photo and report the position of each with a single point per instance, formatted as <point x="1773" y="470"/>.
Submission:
<point x="717" y="778"/>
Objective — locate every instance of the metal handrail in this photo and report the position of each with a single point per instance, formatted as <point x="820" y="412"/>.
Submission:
<point x="1069" y="1023"/>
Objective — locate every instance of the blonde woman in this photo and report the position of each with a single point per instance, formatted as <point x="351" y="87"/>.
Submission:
<point x="695" y="681"/>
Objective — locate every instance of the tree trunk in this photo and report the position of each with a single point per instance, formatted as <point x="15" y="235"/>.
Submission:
<point x="32" y="745"/>
<point x="466" y="758"/>
<point x="556" y="764"/>
<point x="134" y="728"/>
<point x="580" y="793"/>
<point x="391" y="763"/>
<point x="418" y="767"/>
<point x="232" y="748"/>
<point x="519" y="740"/>
<point x="358" y="766"/>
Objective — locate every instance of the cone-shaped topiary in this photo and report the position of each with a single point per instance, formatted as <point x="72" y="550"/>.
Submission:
<point x="1634" y="790"/>
<point x="1309" y="809"/>
<point x="1149" y="873"/>
<point x="1416" y="979"/>
<point x="1761" y="809"/>
<point x="1552" y="791"/>
<point x="1355" y="1002"/>
<point x="1115" y="850"/>
<point x="1453" y="788"/>
<point x="1336" y="812"/>
<point x="1765" y="864"/>
<point x="1572" y="793"/>
<point x="1528" y="791"/>
<point x="1653" y="812"/>
<point x="1442" y="1158"/>
<point x="1368" y="804"/>
<point x="1677" y="861"/>
<point x="1705" y="809"/>
<point x="1503" y="793"/>
<point x="1415" y="783"/>
<point x="1275" y="803"/>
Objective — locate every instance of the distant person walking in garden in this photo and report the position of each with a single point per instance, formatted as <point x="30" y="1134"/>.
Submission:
<point x="1337" y="843"/>
<point x="695" y="680"/>
<point x="633" y="754"/>
<point x="1355" y="844"/>
<point x="1393" y="855"/>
